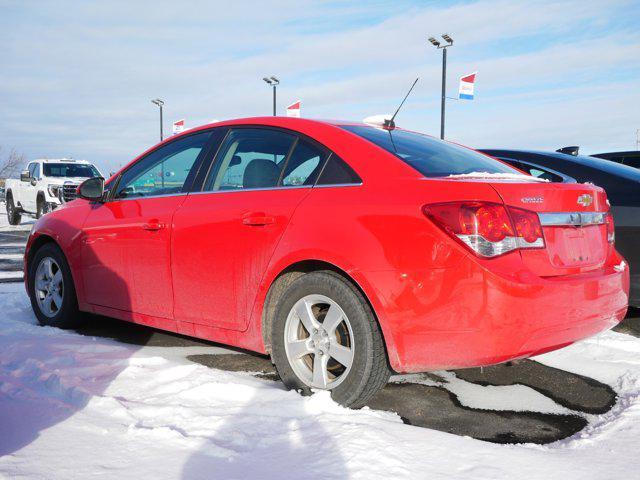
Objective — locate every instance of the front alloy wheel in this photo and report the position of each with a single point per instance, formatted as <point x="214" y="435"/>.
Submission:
<point x="49" y="287"/>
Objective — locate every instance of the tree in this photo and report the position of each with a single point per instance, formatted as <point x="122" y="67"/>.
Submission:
<point x="11" y="164"/>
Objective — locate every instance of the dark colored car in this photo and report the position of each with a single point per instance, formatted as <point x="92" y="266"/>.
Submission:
<point x="621" y="182"/>
<point x="631" y="158"/>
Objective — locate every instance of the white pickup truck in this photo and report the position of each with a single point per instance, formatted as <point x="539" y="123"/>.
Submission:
<point x="44" y="185"/>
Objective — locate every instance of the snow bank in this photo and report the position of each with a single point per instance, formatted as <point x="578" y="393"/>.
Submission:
<point x="80" y="407"/>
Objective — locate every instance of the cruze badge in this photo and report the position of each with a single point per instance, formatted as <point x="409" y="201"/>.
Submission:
<point x="585" y="200"/>
<point x="532" y="199"/>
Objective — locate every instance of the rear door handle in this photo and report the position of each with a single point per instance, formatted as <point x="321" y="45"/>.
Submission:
<point x="153" y="225"/>
<point x="257" y="219"/>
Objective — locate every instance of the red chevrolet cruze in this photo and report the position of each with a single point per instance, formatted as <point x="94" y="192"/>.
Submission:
<point x="343" y="250"/>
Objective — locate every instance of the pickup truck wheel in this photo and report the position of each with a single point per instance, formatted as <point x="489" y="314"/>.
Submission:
<point x="42" y="208"/>
<point x="13" y="214"/>
<point x="325" y="336"/>
<point x="51" y="289"/>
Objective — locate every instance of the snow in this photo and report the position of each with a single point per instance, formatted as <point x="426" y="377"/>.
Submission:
<point x="498" y="176"/>
<point x="74" y="406"/>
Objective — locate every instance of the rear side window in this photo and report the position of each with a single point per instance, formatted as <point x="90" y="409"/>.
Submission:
<point x="337" y="172"/>
<point x="430" y="157"/>
<point x="304" y="165"/>
<point x="250" y="158"/>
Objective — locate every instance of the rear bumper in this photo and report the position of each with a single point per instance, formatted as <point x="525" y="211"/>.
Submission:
<point x="468" y="316"/>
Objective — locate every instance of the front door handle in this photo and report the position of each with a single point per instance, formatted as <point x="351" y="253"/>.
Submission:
<point x="153" y="226"/>
<point x="258" y="219"/>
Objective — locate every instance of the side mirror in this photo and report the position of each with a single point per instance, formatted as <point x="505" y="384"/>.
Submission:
<point x="91" y="189"/>
<point x="24" y="176"/>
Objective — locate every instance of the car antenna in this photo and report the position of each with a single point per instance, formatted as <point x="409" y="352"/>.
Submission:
<point x="390" y="124"/>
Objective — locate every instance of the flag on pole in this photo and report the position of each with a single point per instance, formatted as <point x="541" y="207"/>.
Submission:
<point x="178" y="126"/>
<point x="467" y="83"/>
<point x="293" y="110"/>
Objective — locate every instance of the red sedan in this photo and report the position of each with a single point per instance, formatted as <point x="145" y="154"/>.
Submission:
<point x="343" y="250"/>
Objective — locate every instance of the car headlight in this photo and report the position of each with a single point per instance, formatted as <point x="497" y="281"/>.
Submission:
<point x="53" y="190"/>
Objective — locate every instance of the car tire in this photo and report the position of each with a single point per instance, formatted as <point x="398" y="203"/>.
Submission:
<point x="42" y="207"/>
<point x="51" y="289"/>
<point x="305" y="356"/>
<point x="13" y="214"/>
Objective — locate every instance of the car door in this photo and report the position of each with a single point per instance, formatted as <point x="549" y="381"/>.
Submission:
<point x="224" y="236"/>
<point x="125" y="244"/>
<point x="28" y="191"/>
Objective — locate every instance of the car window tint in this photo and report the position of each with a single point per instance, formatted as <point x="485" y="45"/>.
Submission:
<point x="70" y="170"/>
<point x="429" y="156"/>
<point x="541" y="173"/>
<point x="165" y="170"/>
<point x="304" y="164"/>
<point x="632" y="161"/>
<point x="337" y="172"/>
<point x="250" y="158"/>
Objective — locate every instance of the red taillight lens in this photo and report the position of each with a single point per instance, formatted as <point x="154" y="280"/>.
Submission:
<point x="611" y="233"/>
<point x="526" y="223"/>
<point x="489" y="229"/>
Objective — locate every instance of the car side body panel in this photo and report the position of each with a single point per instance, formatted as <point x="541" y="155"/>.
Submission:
<point x="438" y="304"/>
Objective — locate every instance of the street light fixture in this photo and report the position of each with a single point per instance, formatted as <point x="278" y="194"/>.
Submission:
<point x="442" y="47"/>
<point x="273" y="82"/>
<point x="159" y="103"/>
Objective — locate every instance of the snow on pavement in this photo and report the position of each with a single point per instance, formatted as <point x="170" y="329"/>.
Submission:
<point x="77" y="407"/>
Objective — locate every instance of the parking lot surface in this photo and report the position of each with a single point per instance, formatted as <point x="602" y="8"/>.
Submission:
<point x="458" y="402"/>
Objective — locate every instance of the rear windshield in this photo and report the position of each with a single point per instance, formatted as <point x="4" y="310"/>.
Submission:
<point x="430" y="157"/>
<point x="70" y="170"/>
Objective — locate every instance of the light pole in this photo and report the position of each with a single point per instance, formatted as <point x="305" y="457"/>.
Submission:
<point x="273" y="81"/>
<point x="159" y="103"/>
<point x="444" y="47"/>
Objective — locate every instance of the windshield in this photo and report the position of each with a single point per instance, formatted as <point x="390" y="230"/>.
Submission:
<point x="70" y="170"/>
<point x="429" y="156"/>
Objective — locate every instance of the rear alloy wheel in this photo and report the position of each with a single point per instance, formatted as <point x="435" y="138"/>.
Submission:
<point x="13" y="214"/>
<point x="53" y="296"/>
<point x="325" y="337"/>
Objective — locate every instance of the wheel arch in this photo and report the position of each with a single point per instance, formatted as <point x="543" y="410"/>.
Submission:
<point x="292" y="272"/>
<point x="37" y="243"/>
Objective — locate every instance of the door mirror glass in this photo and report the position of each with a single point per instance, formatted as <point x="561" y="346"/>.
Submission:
<point x="24" y="176"/>
<point x="92" y="189"/>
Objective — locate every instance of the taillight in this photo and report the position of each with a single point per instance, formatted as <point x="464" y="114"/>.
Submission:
<point x="611" y="233"/>
<point x="488" y="229"/>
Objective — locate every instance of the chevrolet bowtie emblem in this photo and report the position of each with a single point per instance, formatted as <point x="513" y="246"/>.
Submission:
<point x="585" y="200"/>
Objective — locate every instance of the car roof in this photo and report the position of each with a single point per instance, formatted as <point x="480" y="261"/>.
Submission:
<point x="601" y="164"/>
<point x="628" y="153"/>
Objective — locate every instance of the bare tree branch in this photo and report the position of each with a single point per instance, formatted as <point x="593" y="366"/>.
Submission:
<point x="11" y="164"/>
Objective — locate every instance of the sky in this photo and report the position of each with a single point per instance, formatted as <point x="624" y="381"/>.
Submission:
<point x="77" y="78"/>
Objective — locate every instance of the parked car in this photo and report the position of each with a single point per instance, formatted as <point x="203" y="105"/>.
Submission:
<point x="44" y="185"/>
<point x="631" y="158"/>
<point x="622" y="184"/>
<point x="343" y="250"/>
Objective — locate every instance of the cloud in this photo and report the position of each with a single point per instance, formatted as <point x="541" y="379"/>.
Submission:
<point x="78" y="77"/>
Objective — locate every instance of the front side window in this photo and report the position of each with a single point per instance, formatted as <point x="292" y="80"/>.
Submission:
<point x="31" y="168"/>
<point x="70" y="170"/>
<point x="429" y="156"/>
<point x="250" y="158"/>
<point x="36" y="171"/>
<point x="165" y="170"/>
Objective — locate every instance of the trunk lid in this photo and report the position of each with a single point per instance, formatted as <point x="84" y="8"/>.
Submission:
<point x="573" y="224"/>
